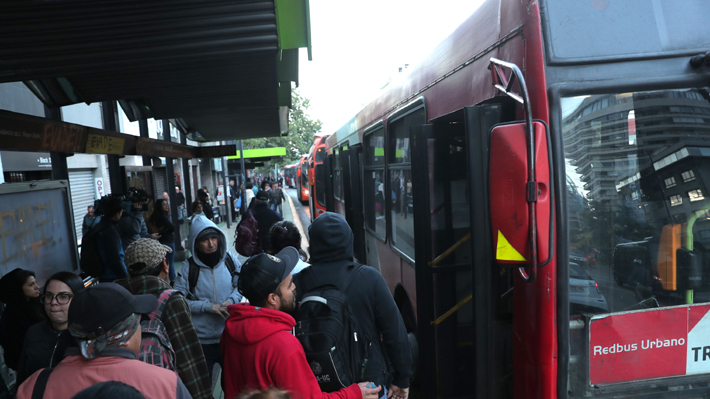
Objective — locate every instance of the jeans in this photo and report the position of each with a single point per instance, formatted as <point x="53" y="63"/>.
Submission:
<point x="213" y="355"/>
<point x="171" y="258"/>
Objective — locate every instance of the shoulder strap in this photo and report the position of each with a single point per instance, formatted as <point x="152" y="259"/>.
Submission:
<point x="192" y="275"/>
<point x="229" y="262"/>
<point x="353" y="267"/>
<point x="41" y="384"/>
<point x="162" y="302"/>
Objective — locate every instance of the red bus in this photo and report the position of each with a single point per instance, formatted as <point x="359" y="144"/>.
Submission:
<point x="289" y="174"/>
<point x="302" y="179"/>
<point x="534" y="194"/>
<point x="317" y="177"/>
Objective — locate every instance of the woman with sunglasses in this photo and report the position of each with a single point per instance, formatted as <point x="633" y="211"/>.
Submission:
<point x="47" y="340"/>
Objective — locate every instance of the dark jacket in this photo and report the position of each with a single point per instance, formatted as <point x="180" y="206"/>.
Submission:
<point x="331" y="250"/>
<point x="207" y="210"/>
<point x="166" y="230"/>
<point x="189" y="358"/>
<point x="276" y="196"/>
<point x="260" y="352"/>
<point x="130" y="226"/>
<point x="108" y="245"/>
<point x="89" y="222"/>
<point x="266" y="218"/>
<point x="17" y="318"/>
<point x="44" y="347"/>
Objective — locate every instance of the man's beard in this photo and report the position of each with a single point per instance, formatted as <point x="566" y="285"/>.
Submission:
<point x="289" y="307"/>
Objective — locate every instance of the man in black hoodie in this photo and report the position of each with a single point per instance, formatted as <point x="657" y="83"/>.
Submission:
<point x="331" y="250"/>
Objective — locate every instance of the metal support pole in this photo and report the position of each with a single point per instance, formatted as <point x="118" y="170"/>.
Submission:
<point x="59" y="159"/>
<point x="170" y="177"/>
<point x="244" y="178"/>
<point x="109" y="114"/>
<point x="144" y="132"/>
<point x="225" y="190"/>
<point x="186" y="178"/>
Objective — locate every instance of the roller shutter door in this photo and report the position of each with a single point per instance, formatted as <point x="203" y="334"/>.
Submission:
<point x="81" y="183"/>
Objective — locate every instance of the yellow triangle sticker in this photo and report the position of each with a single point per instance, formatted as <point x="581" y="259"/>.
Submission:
<point x="505" y="251"/>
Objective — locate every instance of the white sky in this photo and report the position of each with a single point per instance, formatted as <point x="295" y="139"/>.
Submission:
<point x="359" y="45"/>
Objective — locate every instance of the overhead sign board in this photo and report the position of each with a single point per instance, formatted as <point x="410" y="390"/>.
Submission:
<point x="654" y="343"/>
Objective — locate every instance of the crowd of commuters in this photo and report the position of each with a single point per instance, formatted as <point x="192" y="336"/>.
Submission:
<point x="65" y="340"/>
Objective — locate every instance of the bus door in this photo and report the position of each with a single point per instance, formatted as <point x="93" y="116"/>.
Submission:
<point x="350" y="167"/>
<point x="328" y="181"/>
<point x="464" y="301"/>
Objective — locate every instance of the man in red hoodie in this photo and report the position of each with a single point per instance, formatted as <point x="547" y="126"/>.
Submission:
<point x="259" y="349"/>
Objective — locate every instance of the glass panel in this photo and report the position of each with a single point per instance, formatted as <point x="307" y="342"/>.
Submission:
<point x="636" y="171"/>
<point x="402" y="208"/>
<point x="400" y="151"/>
<point x="320" y="184"/>
<point x="337" y="179"/>
<point x="304" y="175"/>
<point x="320" y="154"/>
<point x="375" y="148"/>
<point x="375" y="202"/>
<point x="647" y="27"/>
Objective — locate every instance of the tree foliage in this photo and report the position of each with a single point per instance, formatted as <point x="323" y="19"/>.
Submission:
<point x="299" y="140"/>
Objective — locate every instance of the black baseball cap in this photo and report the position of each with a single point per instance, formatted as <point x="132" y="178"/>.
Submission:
<point x="262" y="195"/>
<point x="262" y="273"/>
<point x="97" y="309"/>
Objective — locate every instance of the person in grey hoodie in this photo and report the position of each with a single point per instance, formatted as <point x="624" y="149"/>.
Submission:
<point x="215" y="289"/>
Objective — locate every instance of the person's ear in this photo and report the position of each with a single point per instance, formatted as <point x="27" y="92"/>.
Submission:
<point x="271" y="299"/>
<point x="166" y="267"/>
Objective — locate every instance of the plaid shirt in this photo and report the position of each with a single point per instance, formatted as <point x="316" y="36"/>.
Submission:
<point x="189" y="359"/>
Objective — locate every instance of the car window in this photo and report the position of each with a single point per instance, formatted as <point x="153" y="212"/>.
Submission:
<point x="576" y="271"/>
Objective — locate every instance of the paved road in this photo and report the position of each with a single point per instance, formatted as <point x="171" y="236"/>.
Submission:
<point x="304" y="213"/>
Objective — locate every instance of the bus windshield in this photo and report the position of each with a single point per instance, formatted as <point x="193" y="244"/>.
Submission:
<point x="637" y="165"/>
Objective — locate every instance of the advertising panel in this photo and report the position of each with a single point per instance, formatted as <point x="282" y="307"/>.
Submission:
<point x="646" y="344"/>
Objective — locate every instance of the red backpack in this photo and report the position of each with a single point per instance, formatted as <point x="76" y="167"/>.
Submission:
<point x="246" y="241"/>
<point x="156" y="348"/>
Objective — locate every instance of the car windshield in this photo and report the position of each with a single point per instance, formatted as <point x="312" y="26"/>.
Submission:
<point x="576" y="271"/>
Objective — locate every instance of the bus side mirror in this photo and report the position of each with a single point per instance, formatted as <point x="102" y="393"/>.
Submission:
<point x="510" y="196"/>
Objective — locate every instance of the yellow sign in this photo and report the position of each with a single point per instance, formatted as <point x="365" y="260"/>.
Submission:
<point x="505" y="251"/>
<point x="98" y="144"/>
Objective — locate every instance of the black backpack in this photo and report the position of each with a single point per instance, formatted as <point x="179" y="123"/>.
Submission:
<point x="333" y="339"/>
<point x="194" y="273"/>
<point x="90" y="261"/>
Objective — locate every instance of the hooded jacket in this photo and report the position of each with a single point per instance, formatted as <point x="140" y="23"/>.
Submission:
<point x="214" y="285"/>
<point x="19" y="315"/>
<point x="260" y="352"/>
<point x="43" y="347"/>
<point x="331" y="250"/>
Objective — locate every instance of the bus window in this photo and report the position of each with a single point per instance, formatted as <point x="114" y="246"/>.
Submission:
<point x="400" y="178"/>
<point x="639" y="231"/>
<point x="374" y="183"/>
<point x="337" y="177"/>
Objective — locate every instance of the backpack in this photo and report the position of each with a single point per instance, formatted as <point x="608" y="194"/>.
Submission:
<point x="336" y="347"/>
<point x="91" y="262"/>
<point x="194" y="273"/>
<point x="156" y="348"/>
<point x="247" y="238"/>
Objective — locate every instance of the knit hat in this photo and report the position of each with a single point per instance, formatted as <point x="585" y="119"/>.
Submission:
<point x="207" y="233"/>
<point x="146" y="250"/>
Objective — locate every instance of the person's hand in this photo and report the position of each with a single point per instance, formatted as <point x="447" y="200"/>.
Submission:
<point x="220" y="310"/>
<point x="155" y="236"/>
<point x="369" y="393"/>
<point x="396" y="392"/>
<point x="226" y="303"/>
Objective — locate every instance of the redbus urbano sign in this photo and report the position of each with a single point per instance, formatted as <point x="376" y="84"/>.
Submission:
<point x="646" y="344"/>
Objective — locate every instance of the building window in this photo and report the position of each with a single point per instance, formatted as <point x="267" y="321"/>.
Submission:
<point x="670" y="182"/>
<point x="676" y="200"/>
<point x="688" y="175"/>
<point x="695" y="195"/>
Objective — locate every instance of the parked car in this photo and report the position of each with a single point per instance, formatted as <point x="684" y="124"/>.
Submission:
<point x="578" y="257"/>
<point x="584" y="293"/>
